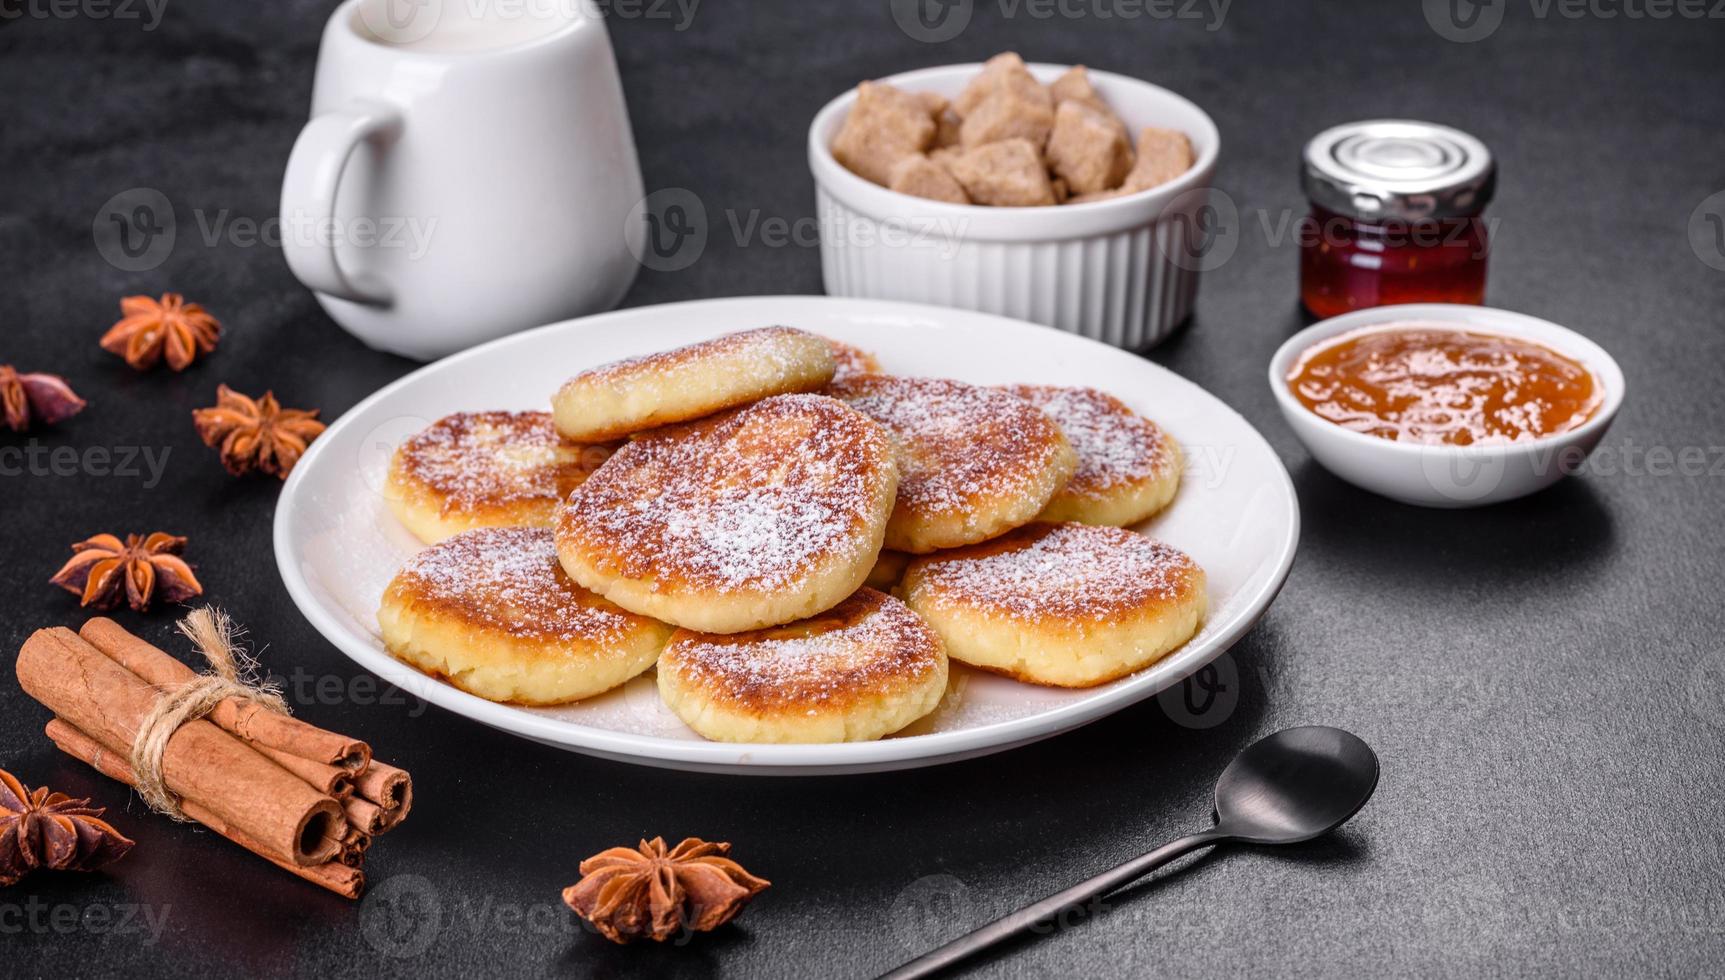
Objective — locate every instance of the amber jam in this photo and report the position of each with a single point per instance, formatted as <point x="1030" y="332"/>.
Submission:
<point x="1432" y="384"/>
<point x="1347" y="264"/>
<point x="1397" y="216"/>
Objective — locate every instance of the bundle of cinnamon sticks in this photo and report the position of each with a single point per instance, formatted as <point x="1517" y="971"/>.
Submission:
<point x="307" y="800"/>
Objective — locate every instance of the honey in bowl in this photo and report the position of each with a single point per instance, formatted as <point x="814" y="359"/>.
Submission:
<point x="1433" y="384"/>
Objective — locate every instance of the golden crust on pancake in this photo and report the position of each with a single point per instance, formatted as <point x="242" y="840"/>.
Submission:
<point x="642" y="393"/>
<point x="760" y="516"/>
<point x="973" y="462"/>
<point x="888" y="569"/>
<point x="850" y="360"/>
<point x="485" y="469"/>
<point x="1128" y="467"/>
<point x="863" y="669"/>
<point x="492" y="611"/>
<point x="1067" y="605"/>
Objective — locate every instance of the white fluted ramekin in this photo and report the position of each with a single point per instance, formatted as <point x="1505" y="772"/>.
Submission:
<point x="1124" y="270"/>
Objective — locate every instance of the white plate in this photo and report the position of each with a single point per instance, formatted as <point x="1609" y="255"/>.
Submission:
<point x="337" y="544"/>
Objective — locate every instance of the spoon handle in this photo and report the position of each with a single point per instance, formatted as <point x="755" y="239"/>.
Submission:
<point x="1053" y="905"/>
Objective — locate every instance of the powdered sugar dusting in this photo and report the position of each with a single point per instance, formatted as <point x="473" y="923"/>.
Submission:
<point x="1066" y="571"/>
<point x="959" y="442"/>
<point x="851" y="360"/>
<point x="475" y="459"/>
<point x="752" y="500"/>
<point x="509" y="579"/>
<point x="868" y="644"/>
<point x="1115" y="445"/>
<point x="776" y="352"/>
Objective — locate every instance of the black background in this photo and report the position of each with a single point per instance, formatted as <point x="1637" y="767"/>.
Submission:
<point x="1544" y="680"/>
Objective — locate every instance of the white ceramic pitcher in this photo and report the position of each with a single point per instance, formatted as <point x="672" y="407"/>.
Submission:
<point x="467" y="171"/>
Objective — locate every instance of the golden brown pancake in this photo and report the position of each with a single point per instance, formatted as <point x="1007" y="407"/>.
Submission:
<point x="1128" y="467"/>
<point x="757" y="517"/>
<point x="973" y="462"/>
<point x="642" y="393"/>
<point x="492" y="611"/>
<point x="850" y="360"/>
<point x="485" y="469"/>
<point x="888" y="569"/>
<point x="863" y="669"/>
<point x="1068" y="605"/>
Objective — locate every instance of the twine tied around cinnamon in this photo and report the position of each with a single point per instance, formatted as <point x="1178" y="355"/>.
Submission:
<point x="232" y="674"/>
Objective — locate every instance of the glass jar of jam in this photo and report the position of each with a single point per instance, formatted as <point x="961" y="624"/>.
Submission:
<point x="1397" y="216"/>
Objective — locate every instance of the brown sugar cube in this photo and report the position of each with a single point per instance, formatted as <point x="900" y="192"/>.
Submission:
<point x="1007" y="115"/>
<point x="1061" y="191"/>
<point x="944" y="155"/>
<point x="1097" y="196"/>
<point x="1074" y="86"/>
<point x="1003" y="71"/>
<point x="1006" y="174"/>
<point x="884" y="126"/>
<point x="946" y="128"/>
<point x="1088" y="149"/>
<point x="945" y="119"/>
<point x="1163" y="154"/>
<point x="922" y="177"/>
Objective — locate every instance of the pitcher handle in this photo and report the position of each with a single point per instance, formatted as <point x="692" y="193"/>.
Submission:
<point x="314" y="170"/>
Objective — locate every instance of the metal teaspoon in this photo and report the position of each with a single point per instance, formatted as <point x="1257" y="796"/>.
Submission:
<point x="1285" y="788"/>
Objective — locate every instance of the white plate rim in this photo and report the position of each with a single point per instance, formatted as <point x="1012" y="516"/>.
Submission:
<point x="763" y="759"/>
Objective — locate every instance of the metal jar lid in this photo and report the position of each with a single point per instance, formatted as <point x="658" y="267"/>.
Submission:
<point x="1398" y="169"/>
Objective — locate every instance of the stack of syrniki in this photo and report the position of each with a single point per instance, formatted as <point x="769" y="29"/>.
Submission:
<point x="773" y="488"/>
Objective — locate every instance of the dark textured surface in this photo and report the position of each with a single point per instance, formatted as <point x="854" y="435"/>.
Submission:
<point x="1543" y="681"/>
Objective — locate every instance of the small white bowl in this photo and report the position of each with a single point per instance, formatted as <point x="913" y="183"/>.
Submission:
<point x="1123" y="271"/>
<point x="1449" y="476"/>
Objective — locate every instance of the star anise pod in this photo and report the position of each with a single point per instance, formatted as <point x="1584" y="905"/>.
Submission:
<point x="106" y="571"/>
<point x="52" y="831"/>
<point x="151" y="328"/>
<point x="26" y="399"/>
<point x="648" y="893"/>
<point x="256" y="433"/>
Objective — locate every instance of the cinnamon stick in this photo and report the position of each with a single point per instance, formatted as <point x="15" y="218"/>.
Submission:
<point x="254" y="724"/>
<point x="392" y="818"/>
<point x="225" y="780"/>
<point x="351" y="848"/>
<point x="353" y="842"/>
<point x="333" y="780"/>
<point x="348" y="882"/>
<point x="341" y="878"/>
<point x="385" y="785"/>
<point x="367" y="817"/>
<point x="350" y="856"/>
